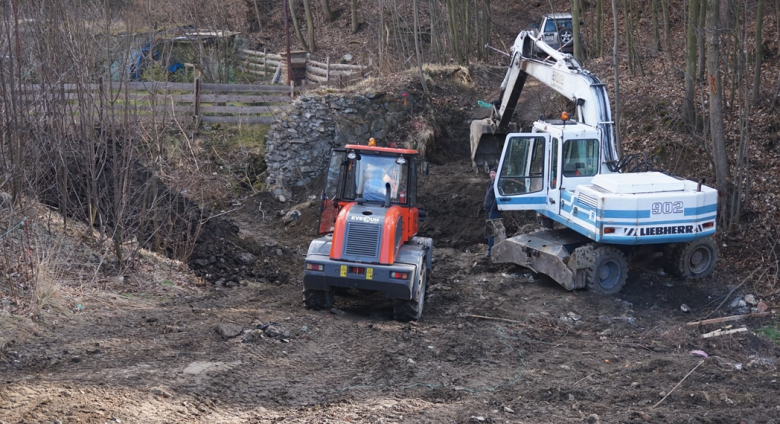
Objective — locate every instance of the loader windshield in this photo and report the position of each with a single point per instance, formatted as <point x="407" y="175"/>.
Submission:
<point x="369" y="175"/>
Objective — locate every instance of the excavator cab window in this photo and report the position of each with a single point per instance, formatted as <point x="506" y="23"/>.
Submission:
<point x="523" y="166"/>
<point x="580" y="158"/>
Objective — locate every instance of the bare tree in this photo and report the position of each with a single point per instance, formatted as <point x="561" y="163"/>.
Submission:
<point x="417" y="47"/>
<point x="616" y="67"/>
<point x="329" y="15"/>
<point x="722" y="171"/>
<point x="354" y="15"/>
<point x="309" y="25"/>
<point x="759" y="52"/>
<point x="296" y="27"/>
<point x="576" y="29"/>
<point x="689" y="110"/>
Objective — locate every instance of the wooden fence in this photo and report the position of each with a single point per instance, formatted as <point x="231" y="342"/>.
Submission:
<point x="200" y="102"/>
<point x="270" y="66"/>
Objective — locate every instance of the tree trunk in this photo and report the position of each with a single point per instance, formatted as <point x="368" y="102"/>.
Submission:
<point x="452" y="26"/>
<point x="600" y="28"/>
<point x="689" y="111"/>
<point x="297" y="27"/>
<point x="329" y="15"/>
<point x="701" y="39"/>
<point x="353" y="13"/>
<point x="615" y="65"/>
<point x="575" y="20"/>
<point x="629" y="37"/>
<point x="722" y="172"/>
<point x="309" y="25"/>
<point x="417" y="47"/>
<point x="257" y="12"/>
<point x="381" y="62"/>
<point x="667" y="42"/>
<point x="656" y="34"/>
<point x="759" y="52"/>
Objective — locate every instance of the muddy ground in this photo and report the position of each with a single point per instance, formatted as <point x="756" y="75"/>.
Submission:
<point x="496" y="344"/>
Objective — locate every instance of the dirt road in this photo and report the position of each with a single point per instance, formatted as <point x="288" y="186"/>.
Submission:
<point x="496" y="343"/>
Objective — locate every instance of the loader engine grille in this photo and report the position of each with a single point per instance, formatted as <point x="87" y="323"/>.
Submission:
<point x="362" y="239"/>
<point x="585" y="199"/>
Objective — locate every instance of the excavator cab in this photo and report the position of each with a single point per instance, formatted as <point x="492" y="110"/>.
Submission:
<point x="536" y="169"/>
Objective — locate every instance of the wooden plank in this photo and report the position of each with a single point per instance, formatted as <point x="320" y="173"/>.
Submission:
<point x="252" y="52"/>
<point x="239" y="98"/>
<point x="159" y="86"/>
<point x="242" y="110"/>
<point x="251" y="71"/>
<point x="726" y="319"/>
<point x="316" y="78"/>
<point x="239" y="119"/>
<point x="245" y="88"/>
<point x="346" y="67"/>
<point x="719" y="332"/>
<point x="316" y="70"/>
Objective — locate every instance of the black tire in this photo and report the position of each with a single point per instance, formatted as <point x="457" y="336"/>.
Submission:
<point x="694" y="259"/>
<point x="606" y="268"/>
<point x="318" y="299"/>
<point x="411" y="310"/>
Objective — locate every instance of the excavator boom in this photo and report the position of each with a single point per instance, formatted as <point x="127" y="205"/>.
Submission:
<point x="559" y="71"/>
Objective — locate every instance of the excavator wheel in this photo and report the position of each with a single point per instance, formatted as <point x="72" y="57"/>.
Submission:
<point x="606" y="268"/>
<point x="318" y="299"/>
<point x="694" y="259"/>
<point x="411" y="310"/>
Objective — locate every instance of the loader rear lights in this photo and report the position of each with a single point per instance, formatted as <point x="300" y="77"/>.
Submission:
<point x="399" y="275"/>
<point x="708" y="224"/>
<point x="609" y="230"/>
<point x="315" y="267"/>
<point x="357" y="270"/>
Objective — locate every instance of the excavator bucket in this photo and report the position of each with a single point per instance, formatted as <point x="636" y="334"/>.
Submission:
<point x="486" y="145"/>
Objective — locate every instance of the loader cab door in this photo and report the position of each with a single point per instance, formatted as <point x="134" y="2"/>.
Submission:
<point x="521" y="183"/>
<point x="334" y="182"/>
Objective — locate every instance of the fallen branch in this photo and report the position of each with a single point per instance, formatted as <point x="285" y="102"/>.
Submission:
<point x="720" y="332"/>
<point x="678" y="384"/>
<point x="491" y="318"/>
<point x="729" y="318"/>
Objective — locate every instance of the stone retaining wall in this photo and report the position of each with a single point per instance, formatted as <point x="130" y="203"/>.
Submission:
<point x="297" y="146"/>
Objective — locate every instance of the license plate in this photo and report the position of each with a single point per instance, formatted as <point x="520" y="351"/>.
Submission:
<point x="369" y="273"/>
<point x="343" y="272"/>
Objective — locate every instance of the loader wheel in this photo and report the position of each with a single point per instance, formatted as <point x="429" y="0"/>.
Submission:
<point x="607" y="271"/>
<point x="318" y="299"/>
<point x="411" y="310"/>
<point x="694" y="259"/>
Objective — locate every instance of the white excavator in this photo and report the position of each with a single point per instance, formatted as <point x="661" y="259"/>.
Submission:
<point x="596" y="208"/>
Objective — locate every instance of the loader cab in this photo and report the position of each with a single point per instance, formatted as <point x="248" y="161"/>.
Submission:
<point x="368" y="175"/>
<point x="537" y="169"/>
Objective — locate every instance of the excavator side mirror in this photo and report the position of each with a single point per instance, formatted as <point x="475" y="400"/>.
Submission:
<point x="424" y="167"/>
